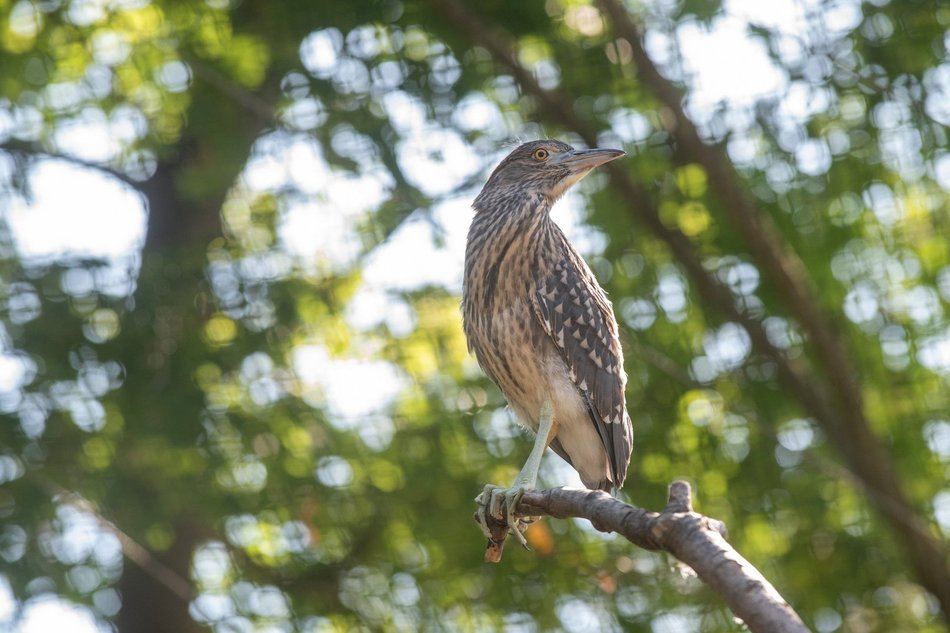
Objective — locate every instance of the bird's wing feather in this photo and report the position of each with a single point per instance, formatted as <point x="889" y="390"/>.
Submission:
<point x="578" y="317"/>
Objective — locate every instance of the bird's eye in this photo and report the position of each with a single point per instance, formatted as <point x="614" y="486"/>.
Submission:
<point x="540" y="154"/>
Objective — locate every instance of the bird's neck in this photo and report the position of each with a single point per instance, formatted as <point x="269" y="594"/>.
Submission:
<point x="521" y="227"/>
<point x="503" y="224"/>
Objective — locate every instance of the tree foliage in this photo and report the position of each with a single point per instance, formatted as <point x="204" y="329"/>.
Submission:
<point x="263" y="415"/>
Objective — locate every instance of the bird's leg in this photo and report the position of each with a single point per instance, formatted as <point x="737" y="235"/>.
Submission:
<point x="492" y="496"/>
<point x="528" y="477"/>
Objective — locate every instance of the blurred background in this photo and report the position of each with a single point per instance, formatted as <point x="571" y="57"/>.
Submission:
<point x="234" y="389"/>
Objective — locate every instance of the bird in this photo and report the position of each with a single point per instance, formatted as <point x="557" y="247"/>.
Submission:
<point x="541" y="326"/>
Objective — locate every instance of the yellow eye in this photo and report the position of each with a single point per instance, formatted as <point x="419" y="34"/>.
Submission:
<point x="540" y="154"/>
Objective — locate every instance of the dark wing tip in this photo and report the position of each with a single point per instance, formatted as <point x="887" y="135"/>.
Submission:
<point x="617" y="438"/>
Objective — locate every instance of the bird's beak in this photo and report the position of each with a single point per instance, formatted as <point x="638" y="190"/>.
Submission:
<point x="583" y="160"/>
<point x="579" y="162"/>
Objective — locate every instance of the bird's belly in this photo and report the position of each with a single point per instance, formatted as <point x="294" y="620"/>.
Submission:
<point x="525" y="364"/>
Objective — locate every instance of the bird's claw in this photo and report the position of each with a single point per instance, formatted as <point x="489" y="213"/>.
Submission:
<point x="490" y="505"/>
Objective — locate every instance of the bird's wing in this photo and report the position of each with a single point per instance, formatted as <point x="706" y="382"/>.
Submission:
<point x="578" y="317"/>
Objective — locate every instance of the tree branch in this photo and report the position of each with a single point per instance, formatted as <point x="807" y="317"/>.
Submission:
<point x="34" y="150"/>
<point x="246" y="99"/>
<point x="137" y="553"/>
<point x="692" y="538"/>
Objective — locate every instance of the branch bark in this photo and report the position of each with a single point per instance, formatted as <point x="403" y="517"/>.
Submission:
<point x="693" y="539"/>
<point x="833" y="400"/>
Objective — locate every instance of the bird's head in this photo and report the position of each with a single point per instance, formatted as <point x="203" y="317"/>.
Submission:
<point x="548" y="168"/>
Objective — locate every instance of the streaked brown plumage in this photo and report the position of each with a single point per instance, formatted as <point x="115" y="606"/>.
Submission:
<point x="537" y="320"/>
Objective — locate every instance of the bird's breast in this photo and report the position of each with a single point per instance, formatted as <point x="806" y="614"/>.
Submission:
<point x="501" y="279"/>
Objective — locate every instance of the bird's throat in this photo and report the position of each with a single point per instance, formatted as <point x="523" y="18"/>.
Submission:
<point x="561" y="187"/>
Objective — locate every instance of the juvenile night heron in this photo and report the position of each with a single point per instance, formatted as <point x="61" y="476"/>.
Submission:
<point x="541" y="326"/>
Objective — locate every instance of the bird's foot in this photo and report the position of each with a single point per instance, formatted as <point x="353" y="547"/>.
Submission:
<point x="496" y="507"/>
